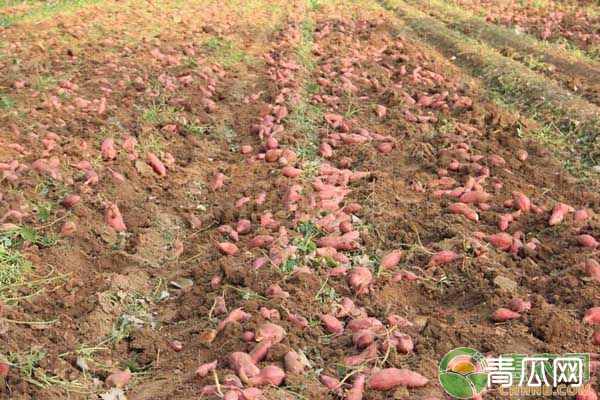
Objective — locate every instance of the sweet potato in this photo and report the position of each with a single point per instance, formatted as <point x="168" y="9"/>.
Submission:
<point x="442" y="257"/>
<point x="345" y="242"/>
<point x="259" y="352"/>
<point x="360" y="278"/>
<point x="345" y="308"/>
<point x="228" y="230"/>
<point x="559" y="212"/>
<point x="592" y="316"/>
<point x="294" y="363"/>
<point x="390" y="260"/>
<point x="260" y="199"/>
<point x="217" y="182"/>
<point x="330" y="382"/>
<point x="270" y="314"/>
<point x="522" y="155"/>
<point x="291" y="172"/>
<point x="68" y="228"/>
<point x="227" y="248"/>
<point x="398" y="321"/>
<point x="380" y="110"/>
<point x="205" y="368"/>
<point x="71" y="200"/>
<point x="519" y="305"/>
<point x="118" y="379"/>
<point x="176" y="345"/>
<point x="261" y="241"/>
<point x="156" y="164"/>
<point x="404" y="342"/>
<point x="325" y="150"/>
<point x="114" y="218"/>
<point x="475" y="196"/>
<point x="504" y="221"/>
<point x="332" y="324"/>
<point x="580" y="215"/>
<point x="463" y="209"/>
<point x="389" y="378"/>
<point x="270" y="331"/>
<point x="178" y="248"/>
<point x="385" y="147"/>
<point x="129" y="144"/>
<point x="231" y="395"/>
<point x="243" y="226"/>
<point x="522" y="202"/>
<point x="276" y="291"/>
<point x="365" y="323"/>
<point x="246" y="149"/>
<point x="358" y="386"/>
<point x="368" y="354"/>
<point x="592" y="268"/>
<point x="504" y="314"/>
<point x="587" y="241"/>
<point x="345" y="227"/>
<point x="269" y="375"/>
<point x="502" y="240"/>
<point x="298" y="320"/>
<point x="235" y="316"/>
<point x="108" y="149"/>
<point x="363" y="338"/>
<point x="243" y="366"/>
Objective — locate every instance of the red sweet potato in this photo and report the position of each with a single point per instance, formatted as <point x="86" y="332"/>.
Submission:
<point x="205" y="368"/>
<point x="390" y="260"/>
<point x="504" y="314"/>
<point x="114" y="218"/>
<point x="269" y="375"/>
<point x="332" y="324"/>
<point x="118" y="379"/>
<point x="270" y="331"/>
<point x="592" y="316"/>
<point x="227" y="248"/>
<point x="442" y="257"/>
<point x="360" y="278"/>
<point x="389" y="378"/>
<point x="156" y="164"/>
<point x="519" y="305"/>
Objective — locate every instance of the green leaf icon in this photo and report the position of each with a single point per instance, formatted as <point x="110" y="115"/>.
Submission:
<point x="457" y="385"/>
<point x="479" y="381"/>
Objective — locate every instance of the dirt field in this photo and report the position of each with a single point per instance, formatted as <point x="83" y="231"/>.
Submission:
<point x="271" y="199"/>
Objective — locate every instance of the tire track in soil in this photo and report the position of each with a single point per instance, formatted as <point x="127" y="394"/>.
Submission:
<point x="578" y="76"/>
<point x="574" y="119"/>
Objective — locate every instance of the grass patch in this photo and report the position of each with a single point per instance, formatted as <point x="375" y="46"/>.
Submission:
<point x="27" y="363"/>
<point x="195" y="129"/>
<point x="225" y="52"/>
<point x="135" y="316"/>
<point x="13" y="266"/>
<point x="42" y="10"/>
<point x="304" y="52"/>
<point x="6" y="103"/>
<point x="158" y="113"/>
<point x="45" y="83"/>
